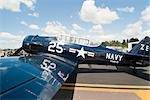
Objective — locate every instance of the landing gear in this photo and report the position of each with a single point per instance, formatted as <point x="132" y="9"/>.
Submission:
<point x="134" y="69"/>
<point x="117" y="67"/>
<point x="90" y="66"/>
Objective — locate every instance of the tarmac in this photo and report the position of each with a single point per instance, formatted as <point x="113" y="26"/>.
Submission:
<point x="101" y="82"/>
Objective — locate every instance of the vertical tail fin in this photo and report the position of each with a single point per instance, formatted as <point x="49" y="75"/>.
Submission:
<point x="142" y="48"/>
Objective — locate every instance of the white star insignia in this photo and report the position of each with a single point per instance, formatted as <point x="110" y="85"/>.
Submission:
<point x="81" y="52"/>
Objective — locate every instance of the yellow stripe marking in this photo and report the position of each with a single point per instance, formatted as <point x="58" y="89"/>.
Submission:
<point x="143" y="94"/>
<point x="111" y="86"/>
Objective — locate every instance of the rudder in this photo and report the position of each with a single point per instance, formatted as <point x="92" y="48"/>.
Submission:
<point x="142" y="48"/>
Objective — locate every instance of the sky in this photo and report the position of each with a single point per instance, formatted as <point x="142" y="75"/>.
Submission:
<point x="96" y="20"/>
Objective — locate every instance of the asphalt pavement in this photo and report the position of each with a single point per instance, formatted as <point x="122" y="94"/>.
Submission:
<point x="101" y="82"/>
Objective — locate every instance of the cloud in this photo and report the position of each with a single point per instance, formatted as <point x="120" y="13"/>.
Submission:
<point x="31" y="26"/>
<point x="102" y="37"/>
<point x="9" y="40"/>
<point x="77" y="27"/>
<point x="14" y="5"/>
<point x="133" y="29"/>
<point x="97" y="15"/>
<point x="145" y="14"/>
<point x="73" y="32"/>
<point x="56" y="28"/>
<point x="144" y="33"/>
<point x="34" y="26"/>
<point x="138" y="29"/>
<point x="97" y="29"/>
<point x="34" y="14"/>
<point x="126" y="9"/>
<point x="24" y="23"/>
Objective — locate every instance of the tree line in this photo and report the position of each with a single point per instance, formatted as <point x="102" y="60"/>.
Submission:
<point x="123" y="44"/>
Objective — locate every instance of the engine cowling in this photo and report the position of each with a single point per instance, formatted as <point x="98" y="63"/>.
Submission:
<point x="35" y="44"/>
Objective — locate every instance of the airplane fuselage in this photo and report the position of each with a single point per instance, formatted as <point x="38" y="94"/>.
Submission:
<point x="84" y="54"/>
<point x="97" y="55"/>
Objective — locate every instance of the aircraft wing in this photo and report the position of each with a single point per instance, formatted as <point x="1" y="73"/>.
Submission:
<point x="33" y="77"/>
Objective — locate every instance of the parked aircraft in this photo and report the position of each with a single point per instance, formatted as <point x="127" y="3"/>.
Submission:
<point x="138" y="56"/>
<point x="49" y="63"/>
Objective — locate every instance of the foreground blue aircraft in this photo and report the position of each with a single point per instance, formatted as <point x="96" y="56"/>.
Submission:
<point x="49" y="63"/>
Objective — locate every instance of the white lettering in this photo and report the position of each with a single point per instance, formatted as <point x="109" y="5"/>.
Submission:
<point x="120" y="57"/>
<point x="44" y="65"/>
<point x="108" y="55"/>
<point x="47" y="66"/>
<point x="147" y="48"/>
<point x="55" y="47"/>
<point x="116" y="57"/>
<point x="142" y="47"/>
<point x="113" y="57"/>
<point x="61" y="75"/>
<point x="51" y="46"/>
<point x="44" y="75"/>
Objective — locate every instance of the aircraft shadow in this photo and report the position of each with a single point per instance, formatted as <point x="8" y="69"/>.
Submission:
<point x="87" y="70"/>
<point x="138" y="73"/>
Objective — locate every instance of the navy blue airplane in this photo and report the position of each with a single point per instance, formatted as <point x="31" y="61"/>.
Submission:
<point x="49" y="63"/>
